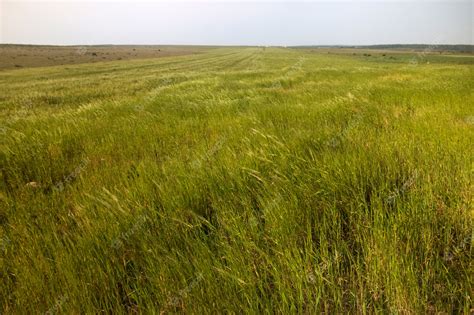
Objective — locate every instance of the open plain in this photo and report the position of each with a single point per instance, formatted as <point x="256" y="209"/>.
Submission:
<point x="262" y="180"/>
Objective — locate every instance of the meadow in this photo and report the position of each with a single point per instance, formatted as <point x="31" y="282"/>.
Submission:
<point x="27" y="56"/>
<point x="239" y="180"/>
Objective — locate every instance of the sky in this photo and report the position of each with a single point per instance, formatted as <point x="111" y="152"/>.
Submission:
<point x="244" y="22"/>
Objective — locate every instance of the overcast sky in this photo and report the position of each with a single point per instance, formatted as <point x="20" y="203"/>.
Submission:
<point x="241" y="22"/>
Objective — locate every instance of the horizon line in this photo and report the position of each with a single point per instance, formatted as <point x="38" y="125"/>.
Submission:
<point x="247" y="45"/>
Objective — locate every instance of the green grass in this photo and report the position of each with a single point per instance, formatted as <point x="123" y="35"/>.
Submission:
<point x="245" y="179"/>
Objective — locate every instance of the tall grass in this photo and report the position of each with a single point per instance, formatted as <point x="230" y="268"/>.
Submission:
<point x="262" y="181"/>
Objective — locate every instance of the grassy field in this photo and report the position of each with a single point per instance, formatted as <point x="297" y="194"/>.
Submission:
<point x="26" y="56"/>
<point x="240" y="179"/>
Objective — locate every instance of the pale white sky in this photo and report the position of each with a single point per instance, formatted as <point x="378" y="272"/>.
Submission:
<point x="243" y="22"/>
